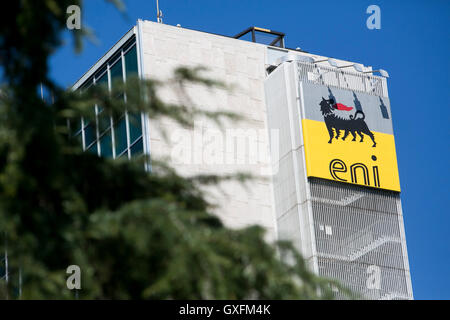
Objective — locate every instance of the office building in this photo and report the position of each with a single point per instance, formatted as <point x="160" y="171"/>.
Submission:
<point x="317" y="131"/>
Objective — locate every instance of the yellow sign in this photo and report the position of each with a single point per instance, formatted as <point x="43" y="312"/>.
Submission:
<point x="350" y="160"/>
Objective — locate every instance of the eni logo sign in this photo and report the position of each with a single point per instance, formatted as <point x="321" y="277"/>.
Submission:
<point x="353" y="124"/>
<point x="338" y="169"/>
<point x="340" y="146"/>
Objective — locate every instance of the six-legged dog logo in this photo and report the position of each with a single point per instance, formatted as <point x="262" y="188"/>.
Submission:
<point x="353" y="124"/>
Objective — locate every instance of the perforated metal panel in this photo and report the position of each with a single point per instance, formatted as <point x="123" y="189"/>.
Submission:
<point x="358" y="238"/>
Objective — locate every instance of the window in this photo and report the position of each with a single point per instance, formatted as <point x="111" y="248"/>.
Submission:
<point x="131" y="66"/>
<point x="102" y="81"/>
<point x="75" y="125"/>
<point x="127" y="130"/>
<point x="104" y="121"/>
<point x="93" y="149"/>
<point x="116" y="73"/>
<point x="137" y="148"/>
<point x="135" y="127"/>
<point x="106" y="148"/>
<point x="89" y="135"/>
<point x="120" y="130"/>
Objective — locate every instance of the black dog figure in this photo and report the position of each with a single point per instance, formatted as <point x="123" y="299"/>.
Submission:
<point x="353" y="125"/>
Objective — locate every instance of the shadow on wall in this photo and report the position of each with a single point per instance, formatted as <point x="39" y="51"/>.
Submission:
<point x="357" y="103"/>
<point x="358" y="106"/>
<point x="331" y="95"/>
<point x="383" y="109"/>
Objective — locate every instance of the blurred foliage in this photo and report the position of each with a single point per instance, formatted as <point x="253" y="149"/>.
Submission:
<point x="135" y="234"/>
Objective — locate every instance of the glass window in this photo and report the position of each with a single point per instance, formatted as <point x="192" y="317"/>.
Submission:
<point x="120" y="134"/>
<point x="93" y="149"/>
<point x="137" y="148"/>
<point x="135" y="126"/>
<point x="99" y="72"/>
<point x="75" y="127"/>
<point x="89" y="135"/>
<point x="86" y="85"/>
<point x="112" y="73"/>
<point x="115" y="57"/>
<point x="124" y="156"/>
<point x="104" y="121"/>
<point x="116" y="73"/>
<point x="102" y="81"/>
<point x="131" y="66"/>
<point x="106" y="145"/>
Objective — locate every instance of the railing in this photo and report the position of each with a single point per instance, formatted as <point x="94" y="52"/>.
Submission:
<point x="264" y="36"/>
<point x="342" y="79"/>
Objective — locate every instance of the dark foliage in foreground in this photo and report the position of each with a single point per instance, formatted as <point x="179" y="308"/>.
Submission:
<point x="134" y="234"/>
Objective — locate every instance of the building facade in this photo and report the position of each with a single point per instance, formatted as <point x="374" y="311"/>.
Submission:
<point x="317" y="135"/>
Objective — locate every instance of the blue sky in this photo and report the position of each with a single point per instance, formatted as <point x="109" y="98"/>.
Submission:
<point x="413" y="45"/>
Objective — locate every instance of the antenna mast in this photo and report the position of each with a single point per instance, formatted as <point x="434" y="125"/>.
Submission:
<point x="158" y="13"/>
